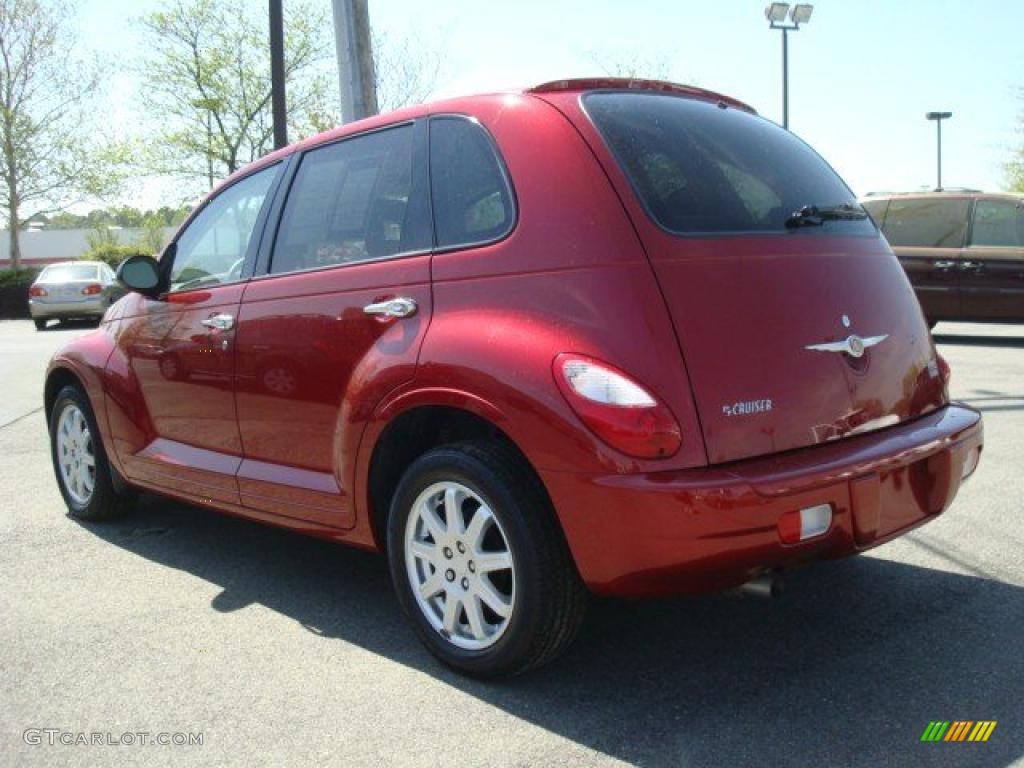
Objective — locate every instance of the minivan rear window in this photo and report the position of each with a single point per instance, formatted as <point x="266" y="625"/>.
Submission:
<point x="700" y="167"/>
<point x="927" y="222"/>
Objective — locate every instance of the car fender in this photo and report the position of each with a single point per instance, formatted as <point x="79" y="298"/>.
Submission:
<point x="85" y="358"/>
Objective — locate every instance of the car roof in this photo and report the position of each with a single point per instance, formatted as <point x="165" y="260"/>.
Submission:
<point x="945" y="193"/>
<point x="464" y="103"/>
<point x="87" y="262"/>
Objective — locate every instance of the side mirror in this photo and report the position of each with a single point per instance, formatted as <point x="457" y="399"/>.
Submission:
<point x="140" y="274"/>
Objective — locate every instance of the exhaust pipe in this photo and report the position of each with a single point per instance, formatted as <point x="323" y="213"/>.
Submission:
<point x="765" y="585"/>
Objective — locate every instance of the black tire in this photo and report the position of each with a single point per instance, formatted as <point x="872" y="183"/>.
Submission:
<point x="40" y="323"/>
<point x="110" y="497"/>
<point x="550" y="600"/>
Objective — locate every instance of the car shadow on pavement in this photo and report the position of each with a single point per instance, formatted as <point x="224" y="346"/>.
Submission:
<point x="848" y="668"/>
<point x="979" y="341"/>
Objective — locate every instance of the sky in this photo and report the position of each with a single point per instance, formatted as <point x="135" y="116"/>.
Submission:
<point x="862" y="72"/>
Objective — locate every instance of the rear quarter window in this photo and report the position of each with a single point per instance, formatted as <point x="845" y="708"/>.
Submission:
<point x="472" y="198"/>
<point x="927" y="222"/>
<point x="704" y="168"/>
<point x="999" y="223"/>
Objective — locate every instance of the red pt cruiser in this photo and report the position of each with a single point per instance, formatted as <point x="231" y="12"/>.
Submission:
<point x="611" y="336"/>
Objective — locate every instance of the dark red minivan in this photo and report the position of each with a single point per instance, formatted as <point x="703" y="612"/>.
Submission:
<point x="610" y="336"/>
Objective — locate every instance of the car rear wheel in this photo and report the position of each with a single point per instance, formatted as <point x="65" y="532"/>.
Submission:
<point x="84" y="475"/>
<point x="40" y="323"/>
<point x="479" y="563"/>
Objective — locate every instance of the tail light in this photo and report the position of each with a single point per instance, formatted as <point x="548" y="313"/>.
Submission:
<point x="36" y="291"/>
<point x="92" y="289"/>
<point x="944" y="370"/>
<point x="617" y="409"/>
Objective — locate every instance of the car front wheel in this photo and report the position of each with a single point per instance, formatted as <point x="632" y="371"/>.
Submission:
<point x="479" y="563"/>
<point x="84" y="475"/>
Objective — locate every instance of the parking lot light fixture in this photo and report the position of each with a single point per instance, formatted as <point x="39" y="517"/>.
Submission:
<point x="776" y="14"/>
<point x="801" y="13"/>
<point x="938" y="117"/>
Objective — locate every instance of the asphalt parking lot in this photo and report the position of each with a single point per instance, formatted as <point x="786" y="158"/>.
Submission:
<point x="283" y="650"/>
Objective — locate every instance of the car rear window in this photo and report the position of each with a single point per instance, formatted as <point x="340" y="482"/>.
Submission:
<point x="64" y="273"/>
<point x="700" y="167"/>
<point x="926" y="222"/>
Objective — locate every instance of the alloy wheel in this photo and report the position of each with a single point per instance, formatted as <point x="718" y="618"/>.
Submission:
<point x="460" y="566"/>
<point x="76" y="456"/>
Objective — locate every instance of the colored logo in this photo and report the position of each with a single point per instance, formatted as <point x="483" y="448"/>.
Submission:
<point x="958" y="730"/>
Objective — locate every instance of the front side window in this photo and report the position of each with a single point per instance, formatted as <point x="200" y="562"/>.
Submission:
<point x="700" y="167"/>
<point x="473" y="202"/>
<point x="998" y="223"/>
<point x="927" y="222"/>
<point x="361" y="199"/>
<point x="212" y="249"/>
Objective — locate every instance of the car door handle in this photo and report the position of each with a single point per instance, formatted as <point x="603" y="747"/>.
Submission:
<point x="397" y="307"/>
<point x="943" y="264"/>
<point x="970" y="265"/>
<point x="220" y="322"/>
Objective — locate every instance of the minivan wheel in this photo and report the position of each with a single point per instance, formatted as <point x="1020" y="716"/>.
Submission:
<point x="84" y="475"/>
<point x="479" y="563"/>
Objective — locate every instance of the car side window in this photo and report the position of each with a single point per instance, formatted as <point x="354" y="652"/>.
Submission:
<point x="472" y="199"/>
<point x="998" y="223"/>
<point x="212" y="248"/>
<point x="927" y="222"/>
<point x="358" y="200"/>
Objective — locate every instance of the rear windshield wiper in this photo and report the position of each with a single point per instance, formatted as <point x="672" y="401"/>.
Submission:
<point x="813" y="216"/>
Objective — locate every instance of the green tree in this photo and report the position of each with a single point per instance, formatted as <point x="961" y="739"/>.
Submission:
<point x="49" y="153"/>
<point x="206" y="81"/>
<point x="152" y="238"/>
<point x="1015" y="172"/>
<point x="101" y="236"/>
<point x="1015" y="165"/>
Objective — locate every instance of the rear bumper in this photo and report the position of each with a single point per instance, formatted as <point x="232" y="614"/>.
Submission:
<point x="89" y="308"/>
<point x="709" y="529"/>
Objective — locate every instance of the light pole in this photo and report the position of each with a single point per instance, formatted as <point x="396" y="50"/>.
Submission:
<point x="776" y="14"/>
<point x="938" y="117"/>
<point x="277" y="97"/>
<point x="208" y="106"/>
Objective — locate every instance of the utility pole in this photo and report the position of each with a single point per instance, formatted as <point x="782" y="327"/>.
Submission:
<point x="355" y="59"/>
<point x="277" y="100"/>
